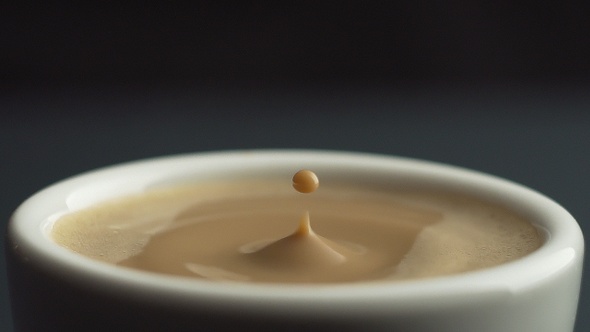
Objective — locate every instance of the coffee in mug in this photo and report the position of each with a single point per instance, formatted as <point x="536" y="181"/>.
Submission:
<point x="264" y="231"/>
<point x="440" y="248"/>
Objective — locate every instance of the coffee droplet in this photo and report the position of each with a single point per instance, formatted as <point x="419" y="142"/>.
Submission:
<point x="303" y="249"/>
<point x="305" y="181"/>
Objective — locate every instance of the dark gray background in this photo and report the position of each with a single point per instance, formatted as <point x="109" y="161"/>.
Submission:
<point x="499" y="87"/>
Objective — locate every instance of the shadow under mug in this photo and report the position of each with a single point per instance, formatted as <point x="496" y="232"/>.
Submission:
<point x="53" y="289"/>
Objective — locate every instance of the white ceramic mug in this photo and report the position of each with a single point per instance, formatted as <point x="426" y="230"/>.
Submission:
<point x="53" y="289"/>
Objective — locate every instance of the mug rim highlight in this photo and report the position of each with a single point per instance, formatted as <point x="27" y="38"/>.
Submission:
<point x="28" y="229"/>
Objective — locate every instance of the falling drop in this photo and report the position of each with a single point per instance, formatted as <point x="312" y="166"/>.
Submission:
<point x="305" y="181"/>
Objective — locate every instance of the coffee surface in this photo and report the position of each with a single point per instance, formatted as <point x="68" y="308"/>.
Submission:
<point x="266" y="232"/>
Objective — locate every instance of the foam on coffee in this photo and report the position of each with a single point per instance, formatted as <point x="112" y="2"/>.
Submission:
<point x="254" y="231"/>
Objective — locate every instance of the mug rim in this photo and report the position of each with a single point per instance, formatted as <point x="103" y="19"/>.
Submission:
<point x="562" y="247"/>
